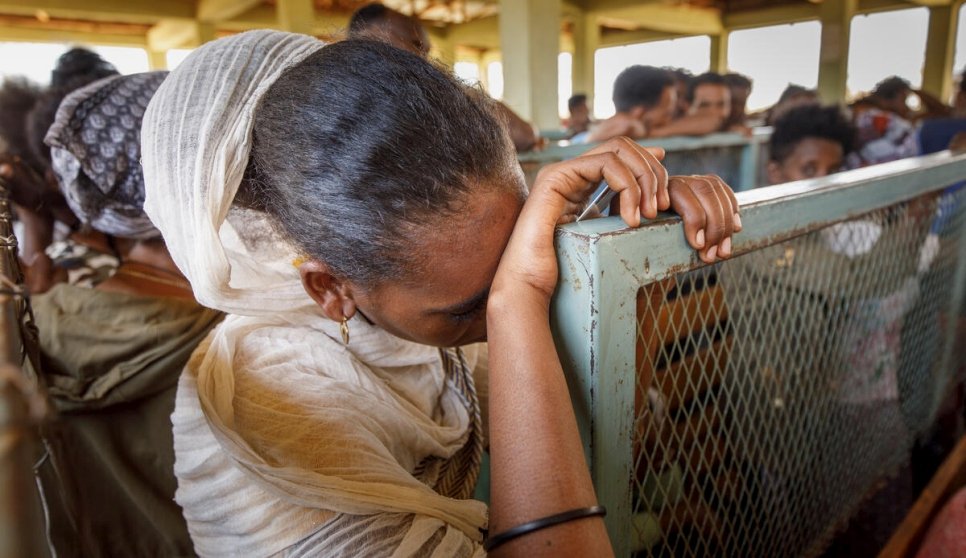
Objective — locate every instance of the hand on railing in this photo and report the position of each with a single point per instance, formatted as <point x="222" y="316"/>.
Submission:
<point x="709" y="210"/>
<point x="559" y="194"/>
<point x="706" y="203"/>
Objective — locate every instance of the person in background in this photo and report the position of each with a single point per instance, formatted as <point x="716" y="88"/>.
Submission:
<point x="740" y="87"/>
<point x="892" y="94"/>
<point x="19" y="166"/>
<point x="682" y="80"/>
<point x="809" y="141"/>
<point x="793" y="96"/>
<point x="111" y="355"/>
<point x="882" y="136"/>
<point x="709" y="98"/>
<point x="937" y="134"/>
<point x="377" y="22"/>
<point x="709" y="94"/>
<point x="959" y="103"/>
<point x="37" y="203"/>
<point x="54" y="247"/>
<point x="579" y="120"/>
<point x="644" y="97"/>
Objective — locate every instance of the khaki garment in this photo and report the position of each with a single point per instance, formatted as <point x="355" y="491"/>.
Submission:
<point x="111" y="362"/>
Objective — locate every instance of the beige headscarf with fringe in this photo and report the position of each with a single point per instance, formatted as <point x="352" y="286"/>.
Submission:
<point x="279" y="426"/>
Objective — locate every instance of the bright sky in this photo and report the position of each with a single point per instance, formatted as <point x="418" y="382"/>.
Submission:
<point x="791" y="57"/>
<point x="176" y="56"/>
<point x="887" y="44"/>
<point x="35" y="60"/>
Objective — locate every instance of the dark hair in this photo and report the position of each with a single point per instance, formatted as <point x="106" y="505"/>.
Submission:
<point x="891" y="87"/>
<point x="962" y="81"/>
<point x="737" y="80"/>
<point x="640" y="86"/>
<point x="680" y="74"/>
<point x="366" y="17"/>
<point x="810" y="121"/>
<point x="17" y="98"/>
<point x="794" y="90"/>
<point x="362" y="147"/>
<point x="75" y="69"/>
<point x="706" y="78"/>
<point x="80" y="64"/>
<point x="575" y="101"/>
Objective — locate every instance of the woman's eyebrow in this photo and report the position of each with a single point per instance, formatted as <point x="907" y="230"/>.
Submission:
<point x="467" y="305"/>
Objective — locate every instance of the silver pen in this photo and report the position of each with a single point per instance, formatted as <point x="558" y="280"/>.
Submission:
<point x="600" y="200"/>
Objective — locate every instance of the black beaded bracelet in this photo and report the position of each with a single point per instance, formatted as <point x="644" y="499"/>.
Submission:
<point x="537" y="524"/>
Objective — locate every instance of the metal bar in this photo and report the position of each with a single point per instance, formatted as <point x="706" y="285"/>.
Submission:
<point x="566" y="150"/>
<point x="22" y="407"/>
<point x="776" y="213"/>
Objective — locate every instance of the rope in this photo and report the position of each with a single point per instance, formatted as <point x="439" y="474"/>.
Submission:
<point x="460" y="473"/>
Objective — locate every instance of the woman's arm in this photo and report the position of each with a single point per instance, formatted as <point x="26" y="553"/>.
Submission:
<point x="689" y="125"/>
<point x="538" y="467"/>
<point x="932" y="107"/>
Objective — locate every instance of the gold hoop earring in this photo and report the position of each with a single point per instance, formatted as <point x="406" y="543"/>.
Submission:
<point x="344" y="328"/>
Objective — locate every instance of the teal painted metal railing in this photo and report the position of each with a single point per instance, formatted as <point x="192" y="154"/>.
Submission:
<point x="738" y="159"/>
<point x="747" y="408"/>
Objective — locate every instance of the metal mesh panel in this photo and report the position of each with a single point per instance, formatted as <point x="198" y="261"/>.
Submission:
<point x="775" y="390"/>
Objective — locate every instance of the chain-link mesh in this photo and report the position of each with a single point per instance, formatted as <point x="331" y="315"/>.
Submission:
<point x="777" y="389"/>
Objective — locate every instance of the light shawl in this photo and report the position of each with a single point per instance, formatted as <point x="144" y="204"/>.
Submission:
<point x="278" y="426"/>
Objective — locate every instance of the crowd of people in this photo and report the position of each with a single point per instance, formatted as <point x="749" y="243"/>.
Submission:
<point x="262" y="284"/>
<point x="280" y="290"/>
<point x="653" y="102"/>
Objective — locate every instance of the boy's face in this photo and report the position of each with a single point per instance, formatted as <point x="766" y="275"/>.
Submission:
<point x="580" y="116"/>
<point x="661" y="113"/>
<point x="811" y="158"/>
<point x="739" y="100"/>
<point x="713" y="100"/>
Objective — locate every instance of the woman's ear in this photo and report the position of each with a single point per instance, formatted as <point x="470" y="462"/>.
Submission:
<point x="332" y="293"/>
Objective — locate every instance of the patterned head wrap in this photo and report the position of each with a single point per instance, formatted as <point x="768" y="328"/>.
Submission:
<point x="96" y="150"/>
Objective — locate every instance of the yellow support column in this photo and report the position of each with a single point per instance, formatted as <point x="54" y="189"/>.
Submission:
<point x="833" y="65"/>
<point x="297" y="16"/>
<point x="530" y="43"/>
<point x="206" y="32"/>
<point x="157" y="60"/>
<point x="937" y="72"/>
<point x="586" y="42"/>
<point x="442" y="47"/>
<point x="719" y="52"/>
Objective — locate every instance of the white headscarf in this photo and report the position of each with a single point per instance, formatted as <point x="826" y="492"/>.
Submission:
<point x="195" y="140"/>
<point x="313" y="423"/>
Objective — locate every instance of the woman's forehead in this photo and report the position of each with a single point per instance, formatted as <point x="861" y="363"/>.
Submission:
<point x="458" y="256"/>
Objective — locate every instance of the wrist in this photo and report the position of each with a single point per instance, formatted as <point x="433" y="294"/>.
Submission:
<point x="515" y="301"/>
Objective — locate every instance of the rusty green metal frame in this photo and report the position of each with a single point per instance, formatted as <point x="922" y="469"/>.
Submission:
<point x="603" y="264"/>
